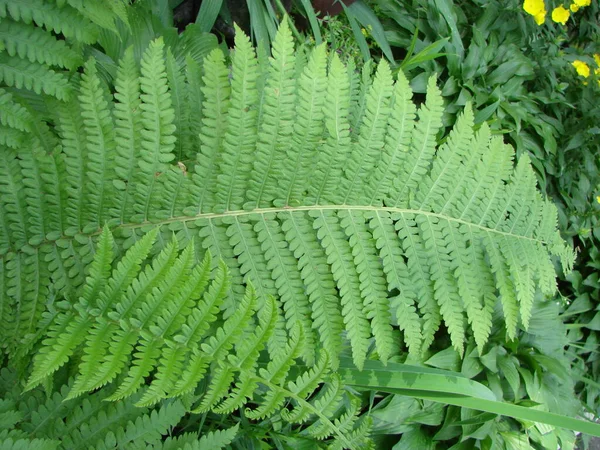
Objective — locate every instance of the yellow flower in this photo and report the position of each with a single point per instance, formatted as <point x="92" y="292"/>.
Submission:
<point x="582" y="68"/>
<point x="598" y="199"/>
<point x="574" y="7"/>
<point x="540" y="18"/>
<point x="582" y="3"/>
<point x="560" y="15"/>
<point x="537" y="9"/>
<point x="597" y="59"/>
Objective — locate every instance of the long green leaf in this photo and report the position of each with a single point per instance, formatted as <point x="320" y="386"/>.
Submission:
<point x="452" y="389"/>
<point x="367" y="18"/>
<point x="412" y="378"/>
<point x="207" y="16"/>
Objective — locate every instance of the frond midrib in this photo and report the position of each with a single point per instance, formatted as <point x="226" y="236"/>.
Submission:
<point x="275" y="210"/>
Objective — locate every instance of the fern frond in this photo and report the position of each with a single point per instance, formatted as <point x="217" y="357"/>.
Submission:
<point x="216" y="93"/>
<point x="387" y="228"/>
<point x="98" y="12"/>
<point x="331" y="155"/>
<point x="240" y="138"/>
<point x="447" y="168"/>
<point x="308" y="126"/>
<point x="416" y="163"/>
<point x="396" y="272"/>
<point x="20" y="73"/>
<point x="157" y="140"/>
<point x="128" y="126"/>
<point x="400" y="125"/>
<point x="339" y="257"/>
<point x="63" y="20"/>
<point x="12" y="138"/>
<point x="36" y="45"/>
<point x="12" y="114"/>
<point x="288" y="281"/>
<point x="216" y="439"/>
<point x="372" y="280"/>
<point x="419" y="270"/>
<point x="276" y="121"/>
<point x="99" y="131"/>
<point x="367" y="149"/>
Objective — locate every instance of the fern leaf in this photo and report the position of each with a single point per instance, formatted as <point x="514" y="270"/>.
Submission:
<point x="323" y="185"/>
<point x="128" y="126"/>
<point x="240" y="138"/>
<point x="308" y="127"/>
<point x="218" y="439"/>
<point x="12" y="138"/>
<point x="99" y="130"/>
<point x="218" y="388"/>
<point x="391" y="253"/>
<point x="316" y="275"/>
<point x="463" y="252"/>
<point x="97" y="11"/>
<point x="504" y="283"/>
<point x="42" y="209"/>
<point x="37" y="45"/>
<point x="216" y="103"/>
<point x="112" y="358"/>
<point x="468" y="178"/>
<point x="522" y="276"/>
<point x="339" y="257"/>
<point x="13" y="114"/>
<point x="447" y="168"/>
<point x="239" y="395"/>
<point x="397" y="228"/>
<point x="436" y="235"/>
<point x="367" y="150"/>
<point x="400" y="124"/>
<point x="176" y="80"/>
<point x="422" y="146"/>
<point x="359" y="95"/>
<point x="150" y="428"/>
<point x="71" y="130"/>
<point x="193" y="78"/>
<point x="493" y="170"/>
<point x="13" y="198"/>
<point x="222" y="341"/>
<point x="100" y="335"/>
<point x="248" y="351"/>
<point x="64" y="20"/>
<point x="63" y="337"/>
<point x="419" y="270"/>
<point x="276" y="121"/>
<point x="157" y="140"/>
<point x="372" y="280"/>
<point x="201" y="318"/>
<point x="20" y="73"/>
<point x="287" y="280"/>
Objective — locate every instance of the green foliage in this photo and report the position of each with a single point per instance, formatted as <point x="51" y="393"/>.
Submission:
<point x="316" y="212"/>
<point x="453" y="228"/>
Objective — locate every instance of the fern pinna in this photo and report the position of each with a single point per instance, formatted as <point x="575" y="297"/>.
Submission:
<point x="333" y="197"/>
